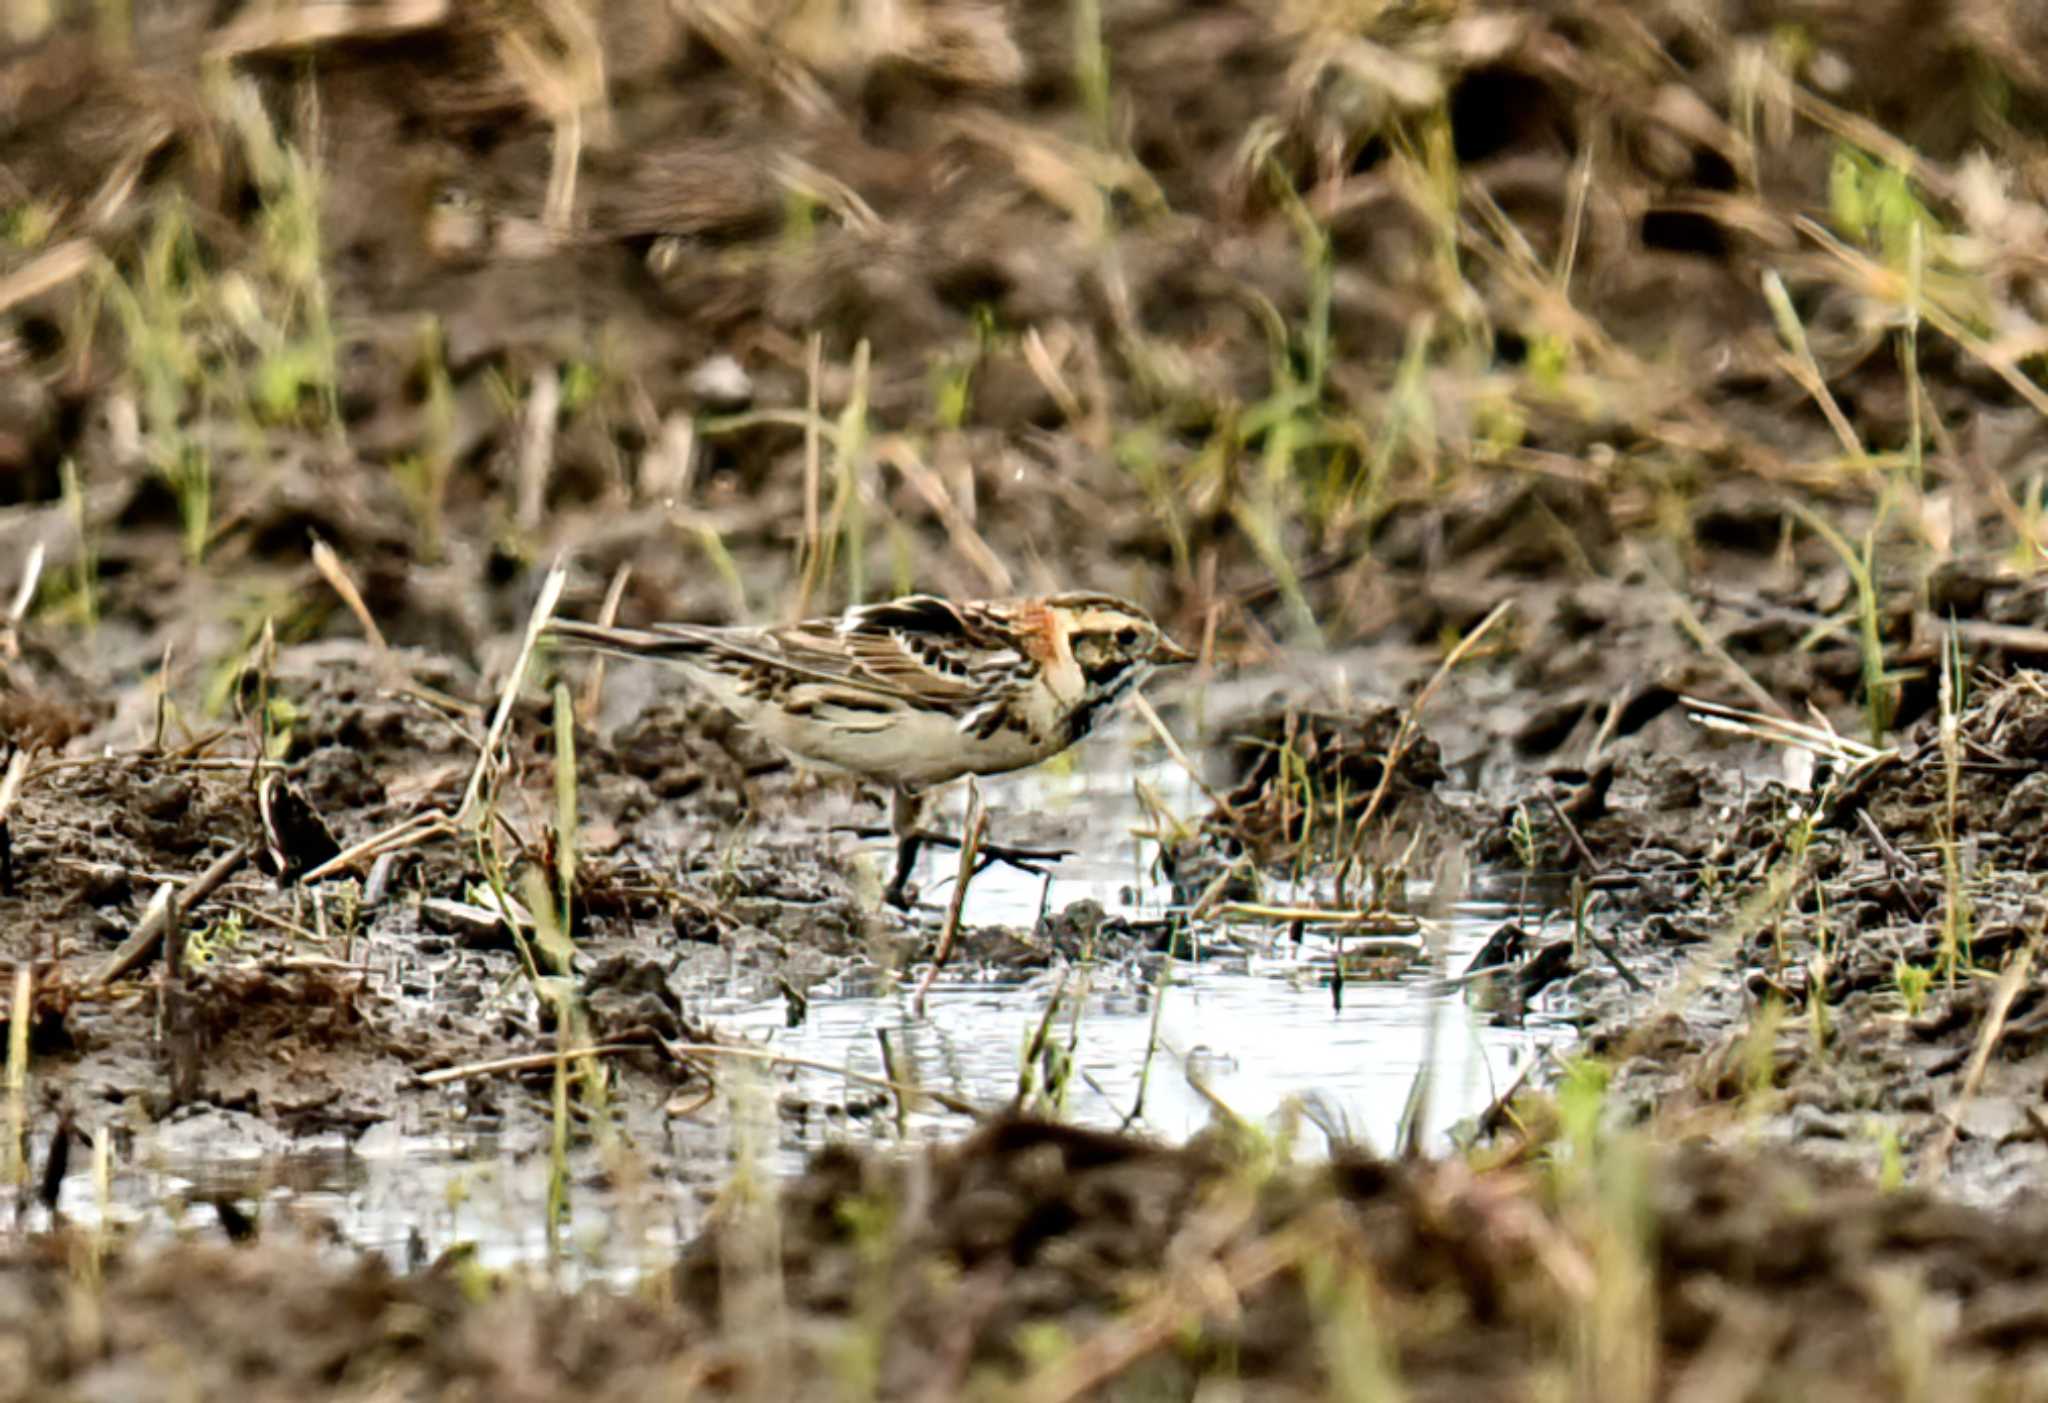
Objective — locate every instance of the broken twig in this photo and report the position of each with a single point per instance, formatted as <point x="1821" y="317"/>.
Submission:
<point x="141" y="945"/>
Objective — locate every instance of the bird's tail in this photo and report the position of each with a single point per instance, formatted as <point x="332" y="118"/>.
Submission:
<point x="668" y="644"/>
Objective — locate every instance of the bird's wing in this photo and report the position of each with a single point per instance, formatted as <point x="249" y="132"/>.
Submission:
<point x="930" y="653"/>
<point x="919" y="651"/>
<point x="709" y="647"/>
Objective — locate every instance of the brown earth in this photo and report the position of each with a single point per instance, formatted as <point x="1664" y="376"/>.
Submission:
<point x="1047" y="1262"/>
<point x="1319" y="334"/>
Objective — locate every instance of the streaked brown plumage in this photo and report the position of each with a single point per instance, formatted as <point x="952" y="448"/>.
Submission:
<point x="918" y="691"/>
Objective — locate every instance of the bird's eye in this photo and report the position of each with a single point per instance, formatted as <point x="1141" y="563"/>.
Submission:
<point x="1127" y="638"/>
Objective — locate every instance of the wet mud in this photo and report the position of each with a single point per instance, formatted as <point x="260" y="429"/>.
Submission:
<point x="1594" y="449"/>
<point x="1030" y="1256"/>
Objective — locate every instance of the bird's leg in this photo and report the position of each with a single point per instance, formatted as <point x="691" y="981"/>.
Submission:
<point x="905" y="809"/>
<point x="1029" y="860"/>
<point x="1024" y="859"/>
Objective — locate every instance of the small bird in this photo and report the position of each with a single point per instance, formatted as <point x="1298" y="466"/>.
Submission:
<point x="918" y="691"/>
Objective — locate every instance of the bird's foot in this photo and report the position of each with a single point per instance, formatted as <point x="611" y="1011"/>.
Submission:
<point x="899" y="892"/>
<point x="986" y="854"/>
<point x="1000" y="851"/>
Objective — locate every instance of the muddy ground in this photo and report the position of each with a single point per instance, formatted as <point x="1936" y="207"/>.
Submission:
<point x="1702" y="338"/>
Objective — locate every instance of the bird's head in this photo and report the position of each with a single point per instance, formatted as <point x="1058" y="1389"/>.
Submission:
<point x="1115" y="643"/>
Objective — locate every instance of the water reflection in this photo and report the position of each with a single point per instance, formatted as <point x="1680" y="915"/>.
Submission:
<point x="1155" y="1044"/>
<point x="1249" y="1032"/>
<point x="1252" y="1029"/>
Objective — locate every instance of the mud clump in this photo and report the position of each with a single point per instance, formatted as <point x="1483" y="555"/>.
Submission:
<point x="629" y="997"/>
<point x="1308" y="787"/>
<point x="295" y="1047"/>
<point x="279" y="1321"/>
<point x="1812" y="949"/>
<point x="1995" y="768"/>
<point x="1639" y="825"/>
<point x="1081" y="934"/>
<point x="678" y="747"/>
<point x="1026" y="1226"/>
<point x="1299" y="329"/>
<point x="1294" y="767"/>
<point x="1019" y="1255"/>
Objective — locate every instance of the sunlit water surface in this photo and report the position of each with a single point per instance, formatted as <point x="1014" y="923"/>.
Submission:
<point x="1252" y="1029"/>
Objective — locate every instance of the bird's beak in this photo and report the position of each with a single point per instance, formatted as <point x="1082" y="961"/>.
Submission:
<point x="1167" y="653"/>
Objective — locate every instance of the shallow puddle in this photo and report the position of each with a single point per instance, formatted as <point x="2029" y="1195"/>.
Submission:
<point x="407" y="1198"/>
<point x="1248" y="1033"/>
<point x="1254" y="1026"/>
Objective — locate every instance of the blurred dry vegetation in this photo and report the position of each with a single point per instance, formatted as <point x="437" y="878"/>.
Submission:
<point x="1710" y="336"/>
<point x="1299" y="322"/>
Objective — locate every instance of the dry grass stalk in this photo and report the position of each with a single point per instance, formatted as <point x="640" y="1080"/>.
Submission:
<point x="1682" y="612"/>
<point x="49" y="269"/>
<point x="607" y="615"/>
<point x="10" y="786"/>
<point x="669" y="465"/>
<point x="31" y="577"/>
<point x="1400" y="930"/>
<point x="1982" y="633"/>
<point x="813" y="544"/>
<point x="1821" y="739"/>
<point x="1877" y="280"/>
<point x="139" y="946"/>
<point x="901" y="454"/>
<point x="525" y="1062"/>
<point x="475" y="796"/>
<point x="1669" y="409"/>
<point x="1405" y="736"/>
<point x="1151" y="1324"/>
<point x="729" y="28"/>
<point x="393" y="672"/>
<point x="695" y="1053"/>
<point x="565" y="155"/>
<point x="293" y="929"/>
<point x="1934" y="1162"/>
<point x="558" y="63"/>
<point x="1798" y="362"/>
<point x="1046" y="368"/>
<point x="20" y="1018"/>
<point x="971" y="833"/>
<point x="715" y="1051"/>
<point x="338" y="578"/>
<point x="1143" y="706"/>
<point x="398" y="837"/>
<point x="269" y="28"/>
<point x="115" y="193"/>
<point x="536" y="452"/>
<point x="805" y="181"/>
<point x="1862" y="132"/>
<point x="1074" y="178"/>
